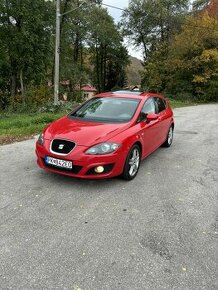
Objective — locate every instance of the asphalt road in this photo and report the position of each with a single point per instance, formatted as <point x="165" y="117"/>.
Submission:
<point x="159" y="231"/>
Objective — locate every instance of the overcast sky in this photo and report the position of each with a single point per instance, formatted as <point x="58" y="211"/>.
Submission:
<point x="114" y="12"/>
<point x="116" y="15"/>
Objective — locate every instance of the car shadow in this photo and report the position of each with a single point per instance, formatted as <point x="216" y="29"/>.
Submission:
<point x="53" y="177"/>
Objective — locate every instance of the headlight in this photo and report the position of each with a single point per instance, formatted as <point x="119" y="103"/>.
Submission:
<point x="103" y="148"/>
<point x="41" y="139"/>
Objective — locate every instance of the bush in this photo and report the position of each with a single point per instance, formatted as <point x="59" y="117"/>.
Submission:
<point x="38" y="99"/>
<point x="38" y="95"/>
<point x="62" y="107"/>
<point x="35" y="96"/>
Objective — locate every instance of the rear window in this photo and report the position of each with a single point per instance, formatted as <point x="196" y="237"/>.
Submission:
<point x="107" y="109"/>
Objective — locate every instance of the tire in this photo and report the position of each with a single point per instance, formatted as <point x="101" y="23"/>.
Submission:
<point x="169" y="139"/>
<point x="132" y="163"/>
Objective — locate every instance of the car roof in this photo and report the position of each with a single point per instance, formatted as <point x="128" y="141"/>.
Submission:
<point x="128" y="94"/>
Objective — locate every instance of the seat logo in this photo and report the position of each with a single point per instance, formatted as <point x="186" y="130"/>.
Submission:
<point x="61" y="146"/>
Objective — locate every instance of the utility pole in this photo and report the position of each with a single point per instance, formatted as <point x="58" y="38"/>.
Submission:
<point x="57" y="49"/>
<point x="57" y="54"/>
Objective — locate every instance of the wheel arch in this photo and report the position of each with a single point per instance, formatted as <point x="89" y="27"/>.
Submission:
<point x="140" y="146"/>
<point x="126" y="169"/>
<point x="173" y="125"/>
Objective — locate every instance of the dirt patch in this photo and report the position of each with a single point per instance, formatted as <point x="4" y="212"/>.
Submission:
<point x="5" y="139"/>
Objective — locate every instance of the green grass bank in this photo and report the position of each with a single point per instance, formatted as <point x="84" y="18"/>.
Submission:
<point x="16" y="127"/>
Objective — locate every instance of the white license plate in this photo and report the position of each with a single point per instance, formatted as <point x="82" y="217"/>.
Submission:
<point x="58" y="162"/>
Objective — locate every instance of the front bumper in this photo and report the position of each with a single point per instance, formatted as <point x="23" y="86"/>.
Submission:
<point x="83" y="165"/>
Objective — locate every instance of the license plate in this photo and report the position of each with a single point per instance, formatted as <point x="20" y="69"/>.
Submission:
<point x="58" y="162"/>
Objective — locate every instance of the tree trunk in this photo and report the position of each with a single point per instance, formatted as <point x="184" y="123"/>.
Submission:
<point x="146" y="53"/>
<point x="97" y="68"/>
<point x="102" y="68"/>
<point x="81" y="56"/>
<point x="105" y="67"/>
<point x="13" y="85"/>
<point x="76" y="49"/>
<point x="22" y="87"/>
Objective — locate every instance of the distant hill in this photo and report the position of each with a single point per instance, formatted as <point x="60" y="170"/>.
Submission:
<point x="133" y="71"/>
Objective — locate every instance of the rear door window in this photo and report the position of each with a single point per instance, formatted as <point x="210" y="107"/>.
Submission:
<point x="160" y="105"/>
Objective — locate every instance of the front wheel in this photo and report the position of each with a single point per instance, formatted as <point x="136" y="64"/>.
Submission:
<point x="169" y="139"/>
<point x="132" y="163"/>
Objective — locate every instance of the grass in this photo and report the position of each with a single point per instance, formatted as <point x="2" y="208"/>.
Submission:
<point x="16" y="127"/>
<point x="180" y="103"/>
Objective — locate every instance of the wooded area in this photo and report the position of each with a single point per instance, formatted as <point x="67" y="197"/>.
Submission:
<point x="179" y="45"/>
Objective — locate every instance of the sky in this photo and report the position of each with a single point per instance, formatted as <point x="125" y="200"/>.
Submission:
<point x="116" y="14"/>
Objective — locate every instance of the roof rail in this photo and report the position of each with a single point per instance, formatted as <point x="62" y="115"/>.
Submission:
<point x="128" y="92"/>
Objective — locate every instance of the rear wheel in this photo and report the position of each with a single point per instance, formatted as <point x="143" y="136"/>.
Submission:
<point x="169" y="139"/>
<point x="132" y="163"/>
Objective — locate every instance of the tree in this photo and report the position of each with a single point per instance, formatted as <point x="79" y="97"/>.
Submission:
<point x="91" y="46"/>
<point x="25" y="32"/>
<point x="89" y="33"/>
<point x="108" y="55"/>
<point x="200" y="4"/>
<point x="148" y="23"/>
<point x="191" y="67"/>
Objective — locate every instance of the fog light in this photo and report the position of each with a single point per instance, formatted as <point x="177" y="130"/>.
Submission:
<point x="99" y="169"/>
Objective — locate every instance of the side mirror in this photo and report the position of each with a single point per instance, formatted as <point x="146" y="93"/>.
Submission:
<point x="151" y="117"/>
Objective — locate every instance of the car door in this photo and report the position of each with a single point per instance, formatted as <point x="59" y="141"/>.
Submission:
<point x="163" y="119"/>
<point x="149" y="130"/>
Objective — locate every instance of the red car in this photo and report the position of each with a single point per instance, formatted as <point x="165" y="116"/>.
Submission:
<point x="107" y="136"/>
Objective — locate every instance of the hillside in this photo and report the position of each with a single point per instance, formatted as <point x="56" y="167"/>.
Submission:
<point x="133" y="71"/>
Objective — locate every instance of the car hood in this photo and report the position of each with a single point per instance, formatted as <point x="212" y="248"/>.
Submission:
<point x="83" y="133"/>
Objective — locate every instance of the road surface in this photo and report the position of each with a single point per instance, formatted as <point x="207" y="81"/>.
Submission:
<point x="159" y="231"/>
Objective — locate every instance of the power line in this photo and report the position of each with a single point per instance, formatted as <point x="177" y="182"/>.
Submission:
<point x="196" y="26"/>
<point x="115" y="7"/>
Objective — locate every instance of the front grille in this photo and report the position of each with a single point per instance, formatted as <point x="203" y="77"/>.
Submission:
<point x="62" y="146"/>
<point x="75" y="170"/>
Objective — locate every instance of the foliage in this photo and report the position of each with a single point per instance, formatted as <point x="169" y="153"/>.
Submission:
<point x="25" y="32"/>
<point x="178" y="59"/>
<point x="188" y="67"/>
<point x="205" y="80"/>
<point x="108" y="55"/>
<point x="91" y="46"/>
<point x="91" y="50"/>
<point x="198" y="5"/>
<point x="35" y="96"/>
<point x="180" y="47"/>
<point x="194" y="58"/>
<point x="61" y="107"/>
<point x="147" y="23"/>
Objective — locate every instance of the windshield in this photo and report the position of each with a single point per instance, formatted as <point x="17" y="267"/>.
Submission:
<point x="107" y="109"/>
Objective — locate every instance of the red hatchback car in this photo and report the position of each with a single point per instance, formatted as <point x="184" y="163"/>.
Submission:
<point x="107" y="136"/>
